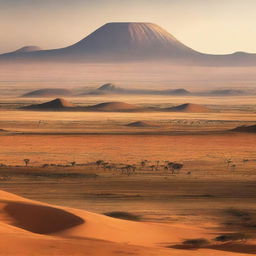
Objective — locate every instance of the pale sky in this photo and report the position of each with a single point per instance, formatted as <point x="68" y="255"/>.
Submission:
<point x="210" y="26"/>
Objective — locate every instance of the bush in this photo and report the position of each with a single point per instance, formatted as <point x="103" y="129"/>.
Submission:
<point x="123" y="215"/>
<point x="196" y="243"/>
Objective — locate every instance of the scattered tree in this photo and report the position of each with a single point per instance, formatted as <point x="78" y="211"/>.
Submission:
<point x="99" y="163"/>
<point x="26" y="161"/>
<point x="73" y="163"/>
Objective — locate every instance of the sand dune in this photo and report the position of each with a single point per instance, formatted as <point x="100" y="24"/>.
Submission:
<point x="48" y="92"/>
<point x="27" y="225"/>
<point x="40" y="219"/>
<point x="245" y="128"/>
<point x="113" y="106"/>
<point x="58" y="103"/>
<point x="189" y="107"/>
<point x="141" y="124"/>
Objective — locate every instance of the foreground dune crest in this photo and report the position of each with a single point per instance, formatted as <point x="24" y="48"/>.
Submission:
<point x="34" y="226"/>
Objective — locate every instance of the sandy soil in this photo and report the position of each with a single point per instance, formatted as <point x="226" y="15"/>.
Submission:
<point x="35" y="227"/>
<point x="212" y="195"/>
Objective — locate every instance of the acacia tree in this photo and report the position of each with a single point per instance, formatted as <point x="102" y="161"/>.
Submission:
<point x="143" y="163"/>
<point x="174" y="167"/>
<point x="99" y="163"/>
<point x="26" y="161"/>
<point x="73" y="163"/>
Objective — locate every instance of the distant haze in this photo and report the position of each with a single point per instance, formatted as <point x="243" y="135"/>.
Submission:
<point x="227" y="26"/>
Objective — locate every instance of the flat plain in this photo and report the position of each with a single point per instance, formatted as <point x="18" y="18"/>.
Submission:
<point x="211" y="196"/>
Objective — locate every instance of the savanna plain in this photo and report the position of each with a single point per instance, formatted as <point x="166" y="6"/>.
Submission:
<point x="172" y="183"/>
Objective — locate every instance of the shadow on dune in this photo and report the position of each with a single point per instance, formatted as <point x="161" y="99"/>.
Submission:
<point x="228" y="247"/>
<point x="38" y="218"/>
<point x="235" y="247"/>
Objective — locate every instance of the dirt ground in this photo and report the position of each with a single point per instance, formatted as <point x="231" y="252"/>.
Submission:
<point x="214" y="190"/>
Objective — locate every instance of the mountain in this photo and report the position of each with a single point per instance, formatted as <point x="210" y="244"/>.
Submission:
<point x="180" y="91"/>
<point x="110" y="88"/>
<point x="107" y="87"/>
<point x="131" y="41"/>
<point x="22" y="50"/>
<point x="48" y="92"/>
<point x="227" y="92"/>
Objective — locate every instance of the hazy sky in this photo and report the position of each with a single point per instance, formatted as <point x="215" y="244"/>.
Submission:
<point x="212" y="26"/>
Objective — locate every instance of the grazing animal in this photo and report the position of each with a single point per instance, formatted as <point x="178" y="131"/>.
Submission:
<point x="228" y="161"/>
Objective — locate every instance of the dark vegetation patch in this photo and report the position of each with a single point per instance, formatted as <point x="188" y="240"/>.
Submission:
<point x="196" y="243"/>
<point x="232" y="237"/>
<point x="52" y="175"/>
<point x="197" y="196"/>
<point x="123" y="215"/>
<point x="234" y="247"/>
<point x="112" y="195"/>
<point x="192" y="244"/>
<point x="239" y="220"/>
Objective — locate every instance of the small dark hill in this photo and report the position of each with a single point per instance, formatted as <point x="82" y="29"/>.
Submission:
<point x="108" y="88"/>
<point x="113" y="107"/>
<point x="189" y="108"/>
<point x="227" y="92"/>
<point x="140" y="124"/>
<point x="48" y="92"/>
<point x="176" y="92"/>
<point x="245" y="128"/>
<point x="28" y="48"/>
<point x="56" y="104"/>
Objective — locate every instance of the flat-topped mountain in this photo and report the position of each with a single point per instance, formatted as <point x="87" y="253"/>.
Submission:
<point x="119" y="41"/>
<point x="130" y="41"/>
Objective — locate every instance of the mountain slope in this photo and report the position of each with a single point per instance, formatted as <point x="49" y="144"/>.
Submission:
<point x="131" y="41"/>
